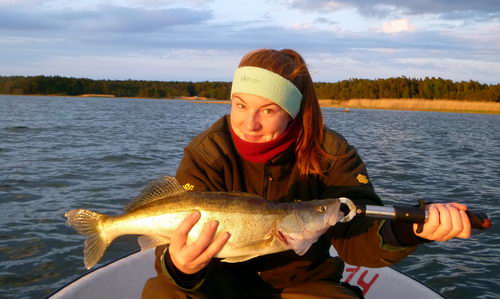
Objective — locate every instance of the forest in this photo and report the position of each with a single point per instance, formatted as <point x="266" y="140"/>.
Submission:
<point x="389" y="88"/>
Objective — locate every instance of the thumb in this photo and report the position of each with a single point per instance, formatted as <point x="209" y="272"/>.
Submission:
<point x="459" y="206"/>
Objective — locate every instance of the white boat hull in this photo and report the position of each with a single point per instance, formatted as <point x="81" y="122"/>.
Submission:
<point x="125" y="278"/>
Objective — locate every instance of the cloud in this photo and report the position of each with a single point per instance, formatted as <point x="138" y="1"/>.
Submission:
<point x="481" y="9"/>
<point x="318" y="5"/>
<point x="153" y="4"/>
<point x="103" y="18"/>
<point x="22" y="2"/>
<point x="397" y="26"/>
<point x="124" y="19"/>
<point x="127" y="31"/>
<point x="326" y="21"/>
<point x="172" y="65"/>
<point x="181" y="43"/>
<point x="157" y="3"/>
<point x="14" y="20"/>
<point x="331" y="68"/>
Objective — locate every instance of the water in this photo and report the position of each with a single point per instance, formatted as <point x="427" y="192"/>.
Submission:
<point x="62" y="153"/>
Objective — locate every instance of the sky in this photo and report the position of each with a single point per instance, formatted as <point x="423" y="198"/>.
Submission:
<point x="198" y="40"/>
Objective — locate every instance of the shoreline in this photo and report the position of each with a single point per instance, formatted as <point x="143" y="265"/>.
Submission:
<point x="436" y="105"/>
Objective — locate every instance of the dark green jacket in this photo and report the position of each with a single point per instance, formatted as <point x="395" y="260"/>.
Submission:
<point x="211" y="163"/>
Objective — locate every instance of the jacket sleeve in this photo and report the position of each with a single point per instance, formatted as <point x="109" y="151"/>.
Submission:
<point x="360" y="241"/>
<point x="195" y="173"/>
<point x="170" y="275"/>
<point x="206" y="164"/>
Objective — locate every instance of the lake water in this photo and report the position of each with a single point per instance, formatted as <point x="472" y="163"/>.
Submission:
<point x="61" y="153"/>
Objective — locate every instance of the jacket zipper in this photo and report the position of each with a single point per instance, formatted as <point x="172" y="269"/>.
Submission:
<point x="268" y="179"/>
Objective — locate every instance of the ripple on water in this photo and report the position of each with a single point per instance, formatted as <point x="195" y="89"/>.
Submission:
<point x="61" y="183"/>
<point x="8" y="188"/>
<point x="98" y="154"/>
<point x="41" y="273"/>
<point x="20" y="130"/>
<point x="20" y="197"/>
<point x="17" y="129"/>
<point x="22" y="251"/>
<point x="123" y="157"/>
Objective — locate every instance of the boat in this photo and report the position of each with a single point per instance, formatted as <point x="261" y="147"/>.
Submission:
<point x="125" y="278"/>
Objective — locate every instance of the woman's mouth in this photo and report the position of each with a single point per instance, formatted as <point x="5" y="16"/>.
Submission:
<point x="252" y="138"/>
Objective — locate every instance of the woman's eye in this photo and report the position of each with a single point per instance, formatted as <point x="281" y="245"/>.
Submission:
<point x="240" y="106"/>
<point x="268" y="111"/>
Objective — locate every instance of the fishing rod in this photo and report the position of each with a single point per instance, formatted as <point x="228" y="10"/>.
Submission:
<point x="406" y="213"/>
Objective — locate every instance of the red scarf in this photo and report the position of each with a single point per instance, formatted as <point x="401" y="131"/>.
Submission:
<point x="261" y="152"/>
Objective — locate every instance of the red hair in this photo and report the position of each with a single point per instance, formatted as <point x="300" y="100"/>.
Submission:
<point x="292" y="66"/>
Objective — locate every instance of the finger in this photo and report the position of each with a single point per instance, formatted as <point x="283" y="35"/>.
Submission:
<point x="466" y="231"/>
<point x="459" y="206"/>
<point x="456" y="222"/>
<point x="204" y="240"/>
<point x="445" y="223"/>
<point x="180" y="236"/>
<point x="214" y="248"/>
<point x="430" y="225"/>
<point x="466" y="225"/>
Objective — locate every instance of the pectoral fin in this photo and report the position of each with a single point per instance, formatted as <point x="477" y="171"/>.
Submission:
<point x="147" y="242"/>
<point x="253" y="245"/>
<point x="245" y="251"/>
<point x="237" y="259"/>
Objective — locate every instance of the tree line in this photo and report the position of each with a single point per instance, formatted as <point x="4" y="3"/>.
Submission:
<point x="390" y="88"/>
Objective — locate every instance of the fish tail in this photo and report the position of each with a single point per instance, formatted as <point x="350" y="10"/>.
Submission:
<point x="89" y="224"/>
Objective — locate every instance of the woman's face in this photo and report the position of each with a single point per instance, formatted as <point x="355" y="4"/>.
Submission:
<point x="257" y="119"/>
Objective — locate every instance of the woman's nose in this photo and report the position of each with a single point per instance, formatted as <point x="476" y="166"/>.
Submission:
<point x="253" y="122"/>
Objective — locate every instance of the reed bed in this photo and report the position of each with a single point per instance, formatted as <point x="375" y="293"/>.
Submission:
<point x="416" y="104"/>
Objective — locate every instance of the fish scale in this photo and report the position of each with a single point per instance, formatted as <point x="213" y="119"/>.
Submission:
<point x="257" y="226"/>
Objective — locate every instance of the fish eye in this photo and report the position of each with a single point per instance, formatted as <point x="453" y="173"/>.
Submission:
<point x="321" y="209"/>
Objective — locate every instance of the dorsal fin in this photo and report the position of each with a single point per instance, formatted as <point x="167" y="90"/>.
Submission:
<point x="238" y="194"/>
<point x="161" y="188"/>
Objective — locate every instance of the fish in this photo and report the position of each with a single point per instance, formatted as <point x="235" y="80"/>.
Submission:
<point x="257" y="226"/>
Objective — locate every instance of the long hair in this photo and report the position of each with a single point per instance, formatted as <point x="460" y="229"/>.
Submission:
<point x="292" y="66"/>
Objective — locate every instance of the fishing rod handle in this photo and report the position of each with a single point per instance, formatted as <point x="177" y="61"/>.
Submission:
<point x="416" y="215"/>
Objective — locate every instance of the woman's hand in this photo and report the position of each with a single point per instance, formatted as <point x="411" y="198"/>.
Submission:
<point x="194" y="257"/>
<point x="446" y="221"/>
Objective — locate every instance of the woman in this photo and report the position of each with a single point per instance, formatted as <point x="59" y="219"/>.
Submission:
<point x="273" y="144"/>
